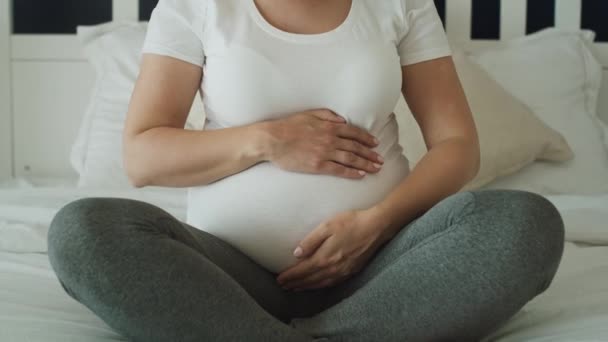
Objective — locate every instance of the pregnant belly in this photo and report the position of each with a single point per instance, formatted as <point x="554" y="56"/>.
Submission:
<point x="265" y="211"/>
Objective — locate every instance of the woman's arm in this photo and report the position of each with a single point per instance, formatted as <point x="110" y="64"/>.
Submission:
<point x="157" y="150"/>
<point x="343" y="244"/>
<point x="438" y="103"/>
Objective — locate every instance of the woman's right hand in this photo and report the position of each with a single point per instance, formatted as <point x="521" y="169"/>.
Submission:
<point x="321" y="142"/>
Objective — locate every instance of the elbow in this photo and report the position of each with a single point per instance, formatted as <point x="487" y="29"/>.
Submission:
<point x="133" y="173"/>
<point x="136" y="182"/>
<point x="132" y="166"/>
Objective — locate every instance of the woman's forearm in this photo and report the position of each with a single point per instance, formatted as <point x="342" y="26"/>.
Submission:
<point x="173" y="157"/>
<point x="444" y="170"/>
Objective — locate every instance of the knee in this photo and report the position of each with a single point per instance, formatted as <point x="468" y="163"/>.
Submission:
<point x="529" y="225"/>
<point x="75" y="229"/>
<point x="537" y="221"/>
<point x="68" y="225"/>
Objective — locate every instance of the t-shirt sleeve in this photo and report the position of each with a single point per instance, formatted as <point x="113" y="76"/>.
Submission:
<point x="423" y="36"/>
<point x="175" y="29"/>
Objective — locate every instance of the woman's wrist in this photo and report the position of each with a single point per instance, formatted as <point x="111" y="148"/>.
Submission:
<point x="382" y="220"/>
<point x="260" y="141"/>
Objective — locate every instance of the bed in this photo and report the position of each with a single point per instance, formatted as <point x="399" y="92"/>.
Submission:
<point x="34" y="307"/>
<point x="54" y="84"/>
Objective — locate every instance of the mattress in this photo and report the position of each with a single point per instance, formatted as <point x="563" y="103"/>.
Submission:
<point x="34" y="307"/>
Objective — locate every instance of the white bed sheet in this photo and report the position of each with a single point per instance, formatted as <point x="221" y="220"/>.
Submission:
<point x="34" y="307"/>
<point x="25" y="212"/>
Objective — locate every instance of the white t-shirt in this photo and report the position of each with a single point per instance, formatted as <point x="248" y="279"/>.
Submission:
<point x="254" y="71"/>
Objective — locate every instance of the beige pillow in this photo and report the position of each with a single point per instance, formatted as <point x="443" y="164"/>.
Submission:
<point x="510" y="135"/>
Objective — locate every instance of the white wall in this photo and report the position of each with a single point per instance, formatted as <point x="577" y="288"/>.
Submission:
<point x="6" y="167"/>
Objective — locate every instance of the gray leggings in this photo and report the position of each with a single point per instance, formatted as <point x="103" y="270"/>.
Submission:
<point x="457" y="272"/>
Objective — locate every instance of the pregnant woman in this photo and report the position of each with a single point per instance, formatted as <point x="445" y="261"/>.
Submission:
<point x="304" y="221"/>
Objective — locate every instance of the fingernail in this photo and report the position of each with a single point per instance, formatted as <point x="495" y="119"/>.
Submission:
<point x="380" y="159"/>
<point x="297" y="252"/>
<point x="376" y="141"/>
<point x="362" y="173"/>
<point x="377" y="166"/>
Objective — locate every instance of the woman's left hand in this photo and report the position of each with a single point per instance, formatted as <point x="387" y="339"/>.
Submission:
<point x="335" y="250"/>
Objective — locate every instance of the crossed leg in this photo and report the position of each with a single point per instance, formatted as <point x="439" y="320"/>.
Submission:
<point x="457" y="272"/>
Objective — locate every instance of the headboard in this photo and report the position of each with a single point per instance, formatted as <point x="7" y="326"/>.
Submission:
<point x="45" y="81"/>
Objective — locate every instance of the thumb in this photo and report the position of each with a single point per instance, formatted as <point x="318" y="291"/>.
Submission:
<point x="312" y="242"/>
<point x="328" y="115"/>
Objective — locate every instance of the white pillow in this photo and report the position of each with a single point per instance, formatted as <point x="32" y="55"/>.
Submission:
<point x="555" y="73"/>
<point x="114" y="50"/>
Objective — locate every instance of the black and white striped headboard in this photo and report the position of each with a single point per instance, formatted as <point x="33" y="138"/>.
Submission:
<point x="486" y="16"/>
<point x="489" y="18"/>
<point x="479" y="23"/>
<point x="62" y="16"/>
<point x="466" y="21"/>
